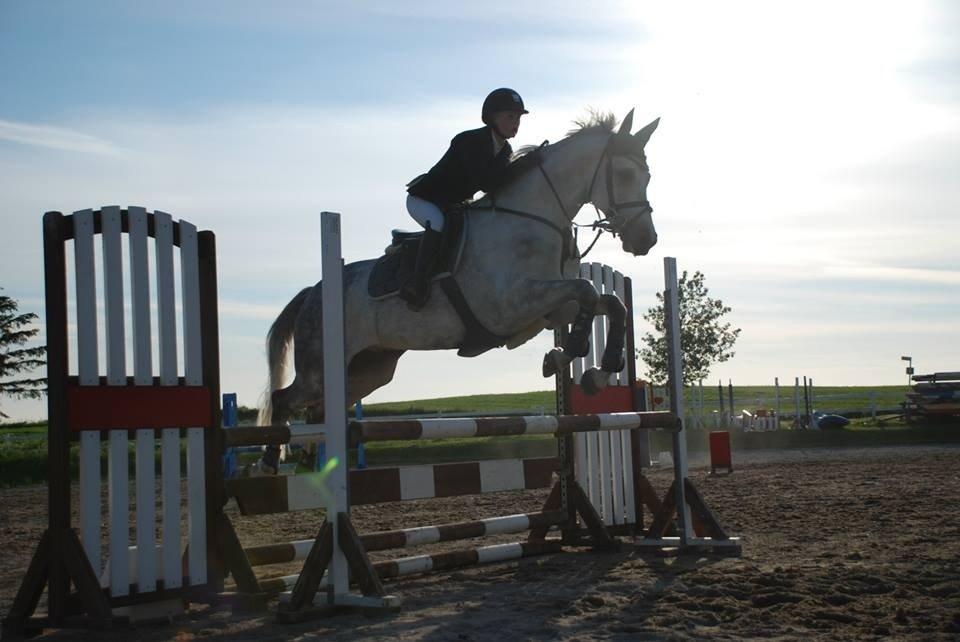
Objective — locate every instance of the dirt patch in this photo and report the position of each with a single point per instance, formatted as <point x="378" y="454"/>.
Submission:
<point x="862" y="544"/>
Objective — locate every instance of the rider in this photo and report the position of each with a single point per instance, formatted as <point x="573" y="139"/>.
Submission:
<point x="478" y="159"/>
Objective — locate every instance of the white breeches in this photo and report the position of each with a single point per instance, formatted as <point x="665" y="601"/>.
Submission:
<point x="424" y="212"/>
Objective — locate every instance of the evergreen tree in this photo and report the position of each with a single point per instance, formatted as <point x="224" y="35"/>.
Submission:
<point x="704" y="338"/>
<point x="16" y="360"/>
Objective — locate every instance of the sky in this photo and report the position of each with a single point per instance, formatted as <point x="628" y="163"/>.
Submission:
<point x="805" y="160"/>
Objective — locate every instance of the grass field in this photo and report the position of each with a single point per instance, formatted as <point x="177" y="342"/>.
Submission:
<point x="858" y="399"/>
<point x="23" y="446"/>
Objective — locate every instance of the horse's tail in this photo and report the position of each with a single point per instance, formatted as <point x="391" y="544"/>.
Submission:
<point x="278" y="343"/>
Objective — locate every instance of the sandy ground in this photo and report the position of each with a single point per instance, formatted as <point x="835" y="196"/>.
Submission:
<point x="837" y="545"/>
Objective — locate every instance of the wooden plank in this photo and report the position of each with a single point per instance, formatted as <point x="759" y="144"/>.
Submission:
<point x="143" y="376"/>
<point x="196" y="508"/>
<point x="193" y="373"/>
<point x="671" y="306"/>
<point x="118" y="406"/>
<point x="170" y="439"/>
<point x="361" y="569"/>
<point x="318" y="560"/>
<point x="85" y="285"/>
<point x="708" y="523"/>
<point x="334" y="386"/>
<point x="661" y="518"/>
<point x="627" y="477"/>
<point x="617" y="477"/>
<point x="140" y="327"/>
<point x="166" y="301"/>
<point x="210" y="363"/>
<point x="235" y="560"/>
<point x="55" y="226"/>
<point x="118" y="468"/>
<point x="602" y="539"/>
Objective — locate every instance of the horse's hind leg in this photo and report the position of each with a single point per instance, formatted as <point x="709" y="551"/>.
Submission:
<point x="303" y="392"/>
<point x="368" y="371"/>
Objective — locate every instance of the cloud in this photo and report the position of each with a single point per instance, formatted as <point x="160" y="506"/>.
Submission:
<point x="58" y="138"/>
<point x="238" y="310"/>
<point x="894" y="274"/>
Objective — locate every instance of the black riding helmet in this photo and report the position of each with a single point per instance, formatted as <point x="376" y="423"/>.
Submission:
<point x="502" y="99"/>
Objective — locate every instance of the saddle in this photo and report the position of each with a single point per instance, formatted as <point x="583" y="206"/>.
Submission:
<point x="399" y="259"/>
<point x="397" y="265"/>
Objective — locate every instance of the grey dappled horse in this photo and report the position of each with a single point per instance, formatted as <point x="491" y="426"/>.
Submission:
<point x="510" y="273"/>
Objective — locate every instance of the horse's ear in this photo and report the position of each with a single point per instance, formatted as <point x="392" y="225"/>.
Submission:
<point x="627" y="124"/>
<point x="644" y="134"/>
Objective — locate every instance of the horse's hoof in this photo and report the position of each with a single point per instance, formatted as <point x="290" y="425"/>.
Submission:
<point x="258" y="469"/>
<point x="555" y="361"/>
<point x="594" y="380"/>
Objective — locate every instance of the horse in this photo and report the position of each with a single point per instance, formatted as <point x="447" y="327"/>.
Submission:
<point x="516" y="272"/>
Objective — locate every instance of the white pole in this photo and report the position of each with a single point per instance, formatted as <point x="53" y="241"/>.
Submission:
<point x="703" y="422"/>
<point x="796" y="403"/>
<point x="776" y="385"/>
<point x="813" y="405"/>
<point x="675" y="368"/>
<point x="334" y="392"/>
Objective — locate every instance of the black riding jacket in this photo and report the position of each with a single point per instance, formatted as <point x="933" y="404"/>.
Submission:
<point x="468" y="166"/>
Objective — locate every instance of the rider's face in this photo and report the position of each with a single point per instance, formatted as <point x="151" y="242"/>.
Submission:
<point x="507" y="123"/>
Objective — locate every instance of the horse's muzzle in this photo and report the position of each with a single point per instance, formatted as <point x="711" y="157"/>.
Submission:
<point x="643" y="249"/>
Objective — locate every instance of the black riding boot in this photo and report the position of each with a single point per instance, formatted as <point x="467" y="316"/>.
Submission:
<point x="416" y="290"/>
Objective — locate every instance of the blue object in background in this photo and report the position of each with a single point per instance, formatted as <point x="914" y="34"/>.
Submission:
<point x="832" y="422"/>
<point x="230" y="421"/>
<point x="361" y="451"/>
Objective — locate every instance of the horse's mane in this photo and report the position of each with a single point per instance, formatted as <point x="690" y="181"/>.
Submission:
<point x="596" y="121"/>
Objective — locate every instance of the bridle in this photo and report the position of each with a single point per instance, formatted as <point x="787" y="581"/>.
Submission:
<point x="613" y="222"/>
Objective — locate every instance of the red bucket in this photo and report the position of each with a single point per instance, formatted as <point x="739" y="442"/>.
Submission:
<point x="720" y="451"/>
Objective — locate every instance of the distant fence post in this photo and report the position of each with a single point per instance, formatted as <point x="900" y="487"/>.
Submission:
<point x="723" y="415"/>
<point x="730" y="390"/>
<point x="796" y="403"/>
<point x="776" y="386"/>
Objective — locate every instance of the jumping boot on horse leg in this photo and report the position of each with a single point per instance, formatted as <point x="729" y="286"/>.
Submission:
<point x="577" y="345"/>
<point x="613" y="358"/>
<point x="416" y="290"/>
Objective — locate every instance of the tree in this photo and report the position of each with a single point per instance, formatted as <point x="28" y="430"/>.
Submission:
<point x="704" y="339"/>
<point x="14" y="360"/>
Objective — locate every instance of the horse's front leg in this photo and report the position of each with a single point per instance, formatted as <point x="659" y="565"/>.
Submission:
<point x="549" y="296"/>
<point x="613" y="360"/>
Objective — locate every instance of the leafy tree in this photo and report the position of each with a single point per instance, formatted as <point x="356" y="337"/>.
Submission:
<point x="14" y="360"/>
<point x="704" y="338"/>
